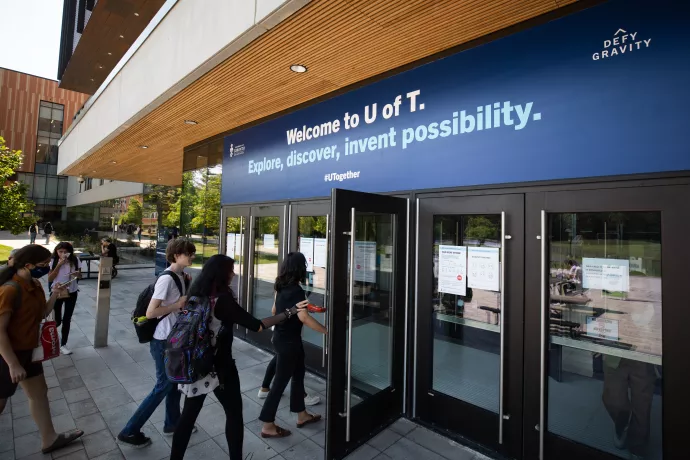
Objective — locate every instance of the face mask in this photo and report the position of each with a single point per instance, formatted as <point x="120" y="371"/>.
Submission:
<point x="38" y="272"/>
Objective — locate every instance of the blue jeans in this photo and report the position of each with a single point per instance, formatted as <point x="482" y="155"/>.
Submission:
<point x="33" y="238"/>
<point x="163" y="389"/>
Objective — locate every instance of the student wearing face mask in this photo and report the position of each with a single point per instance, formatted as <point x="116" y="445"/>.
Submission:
<point x="65" y="266"/>
<point x="23" y="306"/>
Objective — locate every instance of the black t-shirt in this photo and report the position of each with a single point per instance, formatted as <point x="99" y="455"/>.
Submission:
<point x="229" y="312"/>
<point x="291" y="329"/>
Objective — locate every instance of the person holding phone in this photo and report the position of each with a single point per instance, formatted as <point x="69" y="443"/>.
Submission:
<point x="64" y="272"/>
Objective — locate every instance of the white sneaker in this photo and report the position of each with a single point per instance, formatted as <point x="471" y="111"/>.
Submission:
<point x="65" y="351"/>
<point x="262" y="394"/>
<point x="312" y="400"/>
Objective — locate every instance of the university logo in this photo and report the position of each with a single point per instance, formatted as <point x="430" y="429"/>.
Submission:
<point x="622" y="42"/>
<point x="234" y="151"/>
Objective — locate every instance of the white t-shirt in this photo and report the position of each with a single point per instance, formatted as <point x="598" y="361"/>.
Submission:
<point x="166" y="291"/>
<point x="63" y="275"/>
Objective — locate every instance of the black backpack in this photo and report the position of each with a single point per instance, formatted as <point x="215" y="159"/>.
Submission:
<point x="48" y="228"/>
<point x="144" y="327"/>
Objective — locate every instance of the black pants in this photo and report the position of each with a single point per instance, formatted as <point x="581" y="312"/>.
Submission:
<point x="230" y="397"/>
<point x="634" y="411"/>
<point x="289" y="365"/>
<point x="66" y="320"/>
<point x="270" y="373"/>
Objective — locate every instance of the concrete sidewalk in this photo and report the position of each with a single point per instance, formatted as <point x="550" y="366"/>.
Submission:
<point x="97" y="390"/>
<point x="21" y="240"/>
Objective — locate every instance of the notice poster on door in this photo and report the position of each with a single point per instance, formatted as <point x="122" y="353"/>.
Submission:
<point x="239" y="243"/>
<point x="320" y="252"/>
<point x="452" y="269"/>
<point x="606" y="274"/>
<point x="483" y="269"/>
<point x="269" y="241"/>
<point x="386" y="259"/>
<point x="365" y="261"/>
<point x="230" y="244"/>
<point x="306" y="247"/>
<point x="602" y="328"/>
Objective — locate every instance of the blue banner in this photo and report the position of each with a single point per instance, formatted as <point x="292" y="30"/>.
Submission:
<point x="601" y="92"/>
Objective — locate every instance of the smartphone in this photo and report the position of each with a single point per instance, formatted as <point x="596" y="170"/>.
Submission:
<point x="66" y="283"/>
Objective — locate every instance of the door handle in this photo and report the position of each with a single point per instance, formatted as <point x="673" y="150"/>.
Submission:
<point x="502" y="319"/>
<point x="542" y="370"/>
<point x="349" y="327"/>
<point x="250" y="267"/>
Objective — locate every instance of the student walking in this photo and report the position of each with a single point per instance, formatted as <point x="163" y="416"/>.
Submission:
<point x="287" y="340"/>
<point x="33" y="231"/>
<point x="214" y="284"/>
<point x="166" y="301"/>
<point x="48" y="230"/>
<point x="22" y="308"/>
<point x="65" y="266"/>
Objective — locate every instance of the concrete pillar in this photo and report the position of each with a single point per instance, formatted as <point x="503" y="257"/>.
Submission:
<point x="103" y="302"/>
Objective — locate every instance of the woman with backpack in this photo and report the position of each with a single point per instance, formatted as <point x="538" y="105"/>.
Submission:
<point x="65" y="266"/>
<point x="213" y="283"/>
<point x="33" y="231"/>
<point x="287" y="340"/>
<point x="23" y="306"/>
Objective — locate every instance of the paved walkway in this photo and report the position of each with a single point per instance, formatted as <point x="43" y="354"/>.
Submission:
<point x="97" y="390"/>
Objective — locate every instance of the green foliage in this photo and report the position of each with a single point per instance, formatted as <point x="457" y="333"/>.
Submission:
<point x="481" y="228"/>
<point x="4" y="253"/>
<point x="135" y="212"/>
<point x="13" y="202"/>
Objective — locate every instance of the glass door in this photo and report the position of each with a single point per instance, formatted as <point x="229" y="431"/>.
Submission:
<point x="235" y="221"/>
<point x="607" y="379"/>
<point x="266" y="249"/>
<point x="309" y="235"/>
<point x="367" y="317"/>
<point x="469" y="302"/>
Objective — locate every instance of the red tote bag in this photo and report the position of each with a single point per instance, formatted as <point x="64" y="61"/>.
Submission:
<point x="48" y="343"/>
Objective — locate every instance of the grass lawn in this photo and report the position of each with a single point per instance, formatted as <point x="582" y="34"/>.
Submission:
<point x="4" y="253"/>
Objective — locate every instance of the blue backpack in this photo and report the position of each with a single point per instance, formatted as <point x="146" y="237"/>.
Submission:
<point x="188" y="352"/>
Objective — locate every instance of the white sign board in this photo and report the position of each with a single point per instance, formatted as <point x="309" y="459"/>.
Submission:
<point x="386" y="259"/>
<point x="230" y="244"/>
<point x="306" y="247"/>
<point x="606" y="274"/>
<point x="452" y="269"/>
<point x="602" y="328"/>
<point x="320" y="252"/>
<point x="269" y="240"/>
<point x="365" y="261"/>
<point x="239" y="243"/>
<point x="483" y="269"/>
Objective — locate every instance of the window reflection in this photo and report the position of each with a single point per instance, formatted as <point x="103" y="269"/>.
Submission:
<point x="311" y="242"/>
<point x="605" y="331"/>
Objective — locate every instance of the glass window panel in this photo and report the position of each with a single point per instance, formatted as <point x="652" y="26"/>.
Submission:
<point x="372" y="327"/>
<point x="605" y="374"/>
<point x="44" y="126"/>
<point x="51" y="187"/>
<point x="41" y="168"/>
<point x="42" y="148"/>
<point x="266" y="250"/>
<point x="44" y="112"/>
<point x="466" y="317"/>
<point x="234" y="246"/>
<point x="57" y="113"/>
<point x="52" y="169"/>
<point x="311" y="242"/>
<point x="62" y="188"/>
<point x="39" y="186"/>
<point x="56" y="129"/>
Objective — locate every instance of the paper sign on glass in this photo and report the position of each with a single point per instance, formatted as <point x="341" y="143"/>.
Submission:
<point x="602" y="328"/>
<point x="365" y="261"/>
<point x="230" y="245"/>
<point x="239" y="243"/>
<point x="320" y="252"/>
<point x="269" y="240"/>
<point x="306" y="247"/>
<point x="483" y="268"/>
<point x="452" y="269"/>
<point x="606" y="274"/>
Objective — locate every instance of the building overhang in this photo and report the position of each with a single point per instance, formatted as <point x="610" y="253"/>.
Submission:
<point x="342" y="43"/>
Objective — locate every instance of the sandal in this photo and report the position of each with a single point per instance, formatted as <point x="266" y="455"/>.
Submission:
<point x="314" y="418"/>
<point x="63" y="440"/>
<point x="280" y="433"/>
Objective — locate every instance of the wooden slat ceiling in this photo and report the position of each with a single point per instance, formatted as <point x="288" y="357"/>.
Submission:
<point x="100" y="47"/>
<point x="341" y="41"/>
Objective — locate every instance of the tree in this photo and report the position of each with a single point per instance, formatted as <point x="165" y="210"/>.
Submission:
<point x="481" y="228"/>
<point x="134" y="213"/>
<point x="16" y="211"/>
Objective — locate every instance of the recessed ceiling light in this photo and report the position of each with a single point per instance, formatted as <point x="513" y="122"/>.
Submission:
<point x="93" y="170"/>
<point x="299" y="68"/>
<point x="143" y="146"/>
<point x="109" y="53"/>
<point x="136" y="14"/>
<point x="160" y="179"/>
<point x="92" y="79"/>
<point x="191" y="122"/>
<point x="122" y="36"/>
<point x="113" y="162"/>
<point x="100" y="66"/>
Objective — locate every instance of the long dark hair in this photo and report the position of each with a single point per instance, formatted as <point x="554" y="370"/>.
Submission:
<point x="69" y="248"/>
<point x="214" y="276"/>
<point x="292" y="271"/>
<point x="29" y="254"/>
